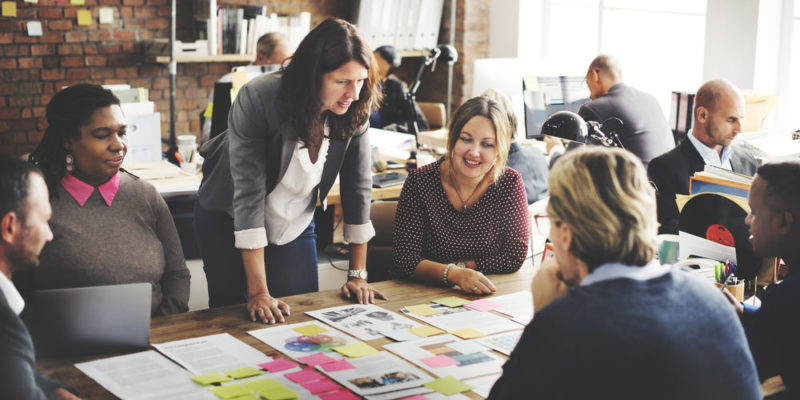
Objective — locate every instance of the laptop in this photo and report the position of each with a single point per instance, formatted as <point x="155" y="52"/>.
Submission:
<point x="91" y="320"/>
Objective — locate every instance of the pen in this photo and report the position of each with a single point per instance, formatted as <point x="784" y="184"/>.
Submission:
<point x="178" y="157"/>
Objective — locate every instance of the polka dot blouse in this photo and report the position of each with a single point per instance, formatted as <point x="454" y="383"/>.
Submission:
<point x="493" y="232"/>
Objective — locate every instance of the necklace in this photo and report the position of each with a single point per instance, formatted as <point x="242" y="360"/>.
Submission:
<point x="453" y="183"/>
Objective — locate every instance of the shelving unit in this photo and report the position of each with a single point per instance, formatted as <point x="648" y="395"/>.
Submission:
<point x="222" y="58"/>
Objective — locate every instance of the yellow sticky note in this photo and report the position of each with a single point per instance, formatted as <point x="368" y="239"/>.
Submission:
<point x="213" y="377"/>
<point x="84" y="17"/>
<point x="247" y="396"/>
<point x="245" y="372"/>
<point x="281" y="393"/>
<point x="422" y="309"/>
<point x="77" y="2"/>
<point x="468" y="333"/>
<point x="449" y="386"/>
<point x="229" y="391"/>
<point x="262" y="385"/>
<point x="209" y="110"/>
<point x="359" y="349"/>
<point x="310" y="329"/>
<point x="425" y="331"/>
<point x="452" y="301"/>
<point x="9" y="9"/>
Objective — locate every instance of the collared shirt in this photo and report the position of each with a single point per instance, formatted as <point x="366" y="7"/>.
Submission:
<point x="609" y="271"/>
<point x="81" y="191"/>
<point x="14" y="299"/>
<point x="710" y="156"/>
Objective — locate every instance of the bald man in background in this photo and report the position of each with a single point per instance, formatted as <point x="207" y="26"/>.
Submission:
<point x="718" y="114"/>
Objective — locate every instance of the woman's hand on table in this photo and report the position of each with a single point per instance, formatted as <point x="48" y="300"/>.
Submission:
<point x="62" y="394"/>
<point x="266" y="308"/>
<point x="547" y="284"/>
<point x="471" y="281"/>
<point x="365" y="294"/>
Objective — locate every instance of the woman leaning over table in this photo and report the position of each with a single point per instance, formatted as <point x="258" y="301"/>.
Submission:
<point x="290" y="133"/>
<point x="109" y="227"/>
<point x="466" y="214"/>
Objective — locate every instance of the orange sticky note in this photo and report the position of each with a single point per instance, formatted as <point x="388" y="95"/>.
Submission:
<point x="9" y="9"/>
<point x="84" y="17"/>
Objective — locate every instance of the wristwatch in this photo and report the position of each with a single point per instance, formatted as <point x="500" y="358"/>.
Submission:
<point x="357" y="273"/>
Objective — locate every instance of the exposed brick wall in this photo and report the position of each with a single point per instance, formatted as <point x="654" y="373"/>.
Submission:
<point x="33" y="68"/>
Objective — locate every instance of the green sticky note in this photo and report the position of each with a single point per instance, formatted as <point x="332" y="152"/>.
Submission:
<point x="452" y="301"/>
<point x="245" y="372"/>
<point x="425" y="331"/>
<point x="359" y="349"/>
<point x="422" y="309"/>
<point x="229" y="391"/>
<point x="77" y="2"/>
<point x="213" y="377"/>
<point x="310" y="329"/>
<point x="84" y="17"/>
<point x="282" y="393"/>
<point x="261" y="385"/>
<point x="449" y="386"/>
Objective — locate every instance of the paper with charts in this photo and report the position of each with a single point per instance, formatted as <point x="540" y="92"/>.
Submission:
<point x="379" y="373"/>
<point x="364" y="321"/>
<point x="447" y="355"/>
<point x="303" y="339"/>
<point x="517" y="305"/>
<point x="144" y="375"/>
<point x="454" y="318"/>
<point x="221" y="352"/>
<point x="502" y="342"/>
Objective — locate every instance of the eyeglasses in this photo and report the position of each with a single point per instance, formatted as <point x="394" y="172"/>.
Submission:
<point x="542" y="222"/>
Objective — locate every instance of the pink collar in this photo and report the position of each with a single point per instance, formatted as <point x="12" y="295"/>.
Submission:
<point x="81" y="191"/>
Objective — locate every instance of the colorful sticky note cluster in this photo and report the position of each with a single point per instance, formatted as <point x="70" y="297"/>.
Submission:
<point x="211" y="378"/>
<point x="310" y="329"/>
<point x="422" y="310"/>
<point x="278" y="365"/>
<point x="449" y="386"/>
<point x="425" y="331"/>
<point x="359" y="349"/>
<point x="452" y="301"/>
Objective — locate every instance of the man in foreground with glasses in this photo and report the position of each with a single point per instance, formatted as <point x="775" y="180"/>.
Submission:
<point x="610" y="321"/>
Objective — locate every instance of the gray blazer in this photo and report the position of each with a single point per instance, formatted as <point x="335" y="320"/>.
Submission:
<point x="245" y="163"/>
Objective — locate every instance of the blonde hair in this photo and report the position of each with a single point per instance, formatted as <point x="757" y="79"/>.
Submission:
<point x="603" y="194"/>
<point x="493" y="111"/>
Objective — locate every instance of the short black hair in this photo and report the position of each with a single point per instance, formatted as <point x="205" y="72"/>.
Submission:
<point x="14" y="185"/>
<point x="390" y="54"/>
<point x="783" y="182"/>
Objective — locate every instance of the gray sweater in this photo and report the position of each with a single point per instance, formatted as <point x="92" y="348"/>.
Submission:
<point x="134" y="240"/>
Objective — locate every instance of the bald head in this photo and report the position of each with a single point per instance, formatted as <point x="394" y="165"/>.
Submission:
<point x="718" y="113"/>
<point x="272" y="48"/>
<point x="604" y="72"/>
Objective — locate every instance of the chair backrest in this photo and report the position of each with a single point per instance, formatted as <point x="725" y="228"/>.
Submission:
<point x="379" y="250"/>
<point x="222" y="105"/>
<point x="434" y="113"/>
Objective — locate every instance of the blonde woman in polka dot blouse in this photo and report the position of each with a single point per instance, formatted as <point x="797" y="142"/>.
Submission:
<point x="465" y="215"/>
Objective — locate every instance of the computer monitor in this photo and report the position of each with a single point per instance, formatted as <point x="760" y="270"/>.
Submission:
<point x="545" y="95"/>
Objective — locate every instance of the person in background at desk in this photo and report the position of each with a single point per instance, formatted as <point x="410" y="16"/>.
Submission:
<point x="290" y="134"/>
<point x="610" y="321"/>
<point x="465" y="214"/>
<point x="773" y="330"/>
<point x="718" y="113"/>
<point x="528" y="161"/>
<point x="395" y="112"/>
<point x="24" y="211"/>
<point x="271" y="49"/>
<point x="110" y="227"/>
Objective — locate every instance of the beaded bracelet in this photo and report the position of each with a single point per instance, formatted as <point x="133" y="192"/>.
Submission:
<point x="444" y="276"/>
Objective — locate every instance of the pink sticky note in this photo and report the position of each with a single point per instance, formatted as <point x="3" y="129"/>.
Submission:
<point x="316" y="359"/>
<point x="482" y="305"/>
<point x="439" y="361"/>
<point x="415" y="397"/>
<point x="278" y="365"/>
<point x="339" y="365"/>
<point x="321" y="386"/>
<point x="343" y="394"/>
<point x="306" y="375"/>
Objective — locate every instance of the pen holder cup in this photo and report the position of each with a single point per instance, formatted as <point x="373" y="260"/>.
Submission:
<point x="736" y="290"/>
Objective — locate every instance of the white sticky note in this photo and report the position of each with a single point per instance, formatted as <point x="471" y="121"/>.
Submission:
<point x="106" y="15"/>
<point x="31" y="1"/>
<point x="34" y="28"/>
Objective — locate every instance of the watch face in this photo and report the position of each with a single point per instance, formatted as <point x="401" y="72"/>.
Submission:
<point x="357" y="273"/>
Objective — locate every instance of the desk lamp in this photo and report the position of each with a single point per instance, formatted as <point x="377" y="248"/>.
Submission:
<point x="445" y="52"/>
<point x="570" y="126"/>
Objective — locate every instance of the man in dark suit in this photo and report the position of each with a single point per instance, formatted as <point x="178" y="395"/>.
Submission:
<point x="719" y="109"/>
<point x="24" y="212"/>
<point x="644" y="128"/>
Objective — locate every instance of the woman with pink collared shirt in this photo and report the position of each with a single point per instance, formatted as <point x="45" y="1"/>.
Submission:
<point x="109" y="226"/>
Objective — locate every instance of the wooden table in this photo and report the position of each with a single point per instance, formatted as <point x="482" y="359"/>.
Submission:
<point x="233" y="320"/>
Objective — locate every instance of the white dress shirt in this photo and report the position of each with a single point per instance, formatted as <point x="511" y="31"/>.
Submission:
<point x="609" y="271"/>
<point x="710" y="155"/>
<point x="14" y="299"/>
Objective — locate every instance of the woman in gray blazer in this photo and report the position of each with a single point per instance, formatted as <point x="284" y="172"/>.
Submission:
<point x="290" y="133"/>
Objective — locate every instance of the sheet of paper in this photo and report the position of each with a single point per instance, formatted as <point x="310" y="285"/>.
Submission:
<point x="449" y="385"/>
<point x="454" y="318"/>
<point x="214" y="353"/>
<point x="145" y="375"/>
<point x="84" y="17"/>
<point x="287" y="340"/>
<point x="106" y="15"/>
<point x="517" y="305"/>
<point x="364" y="321"/>
<point x="34" y="28"/>
<point x="401" y="335"/>
<point x="501" y="342"/>
<point x="691" y="245"/>
<point x="469" y="364"/>
<point x="379" y="373"/>
<point x="482" y="385"/>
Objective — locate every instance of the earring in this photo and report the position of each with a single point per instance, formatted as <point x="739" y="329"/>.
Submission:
<point x="69" y="161"/>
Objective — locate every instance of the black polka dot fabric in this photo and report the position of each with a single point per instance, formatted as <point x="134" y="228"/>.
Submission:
<point x="493" y="232"/>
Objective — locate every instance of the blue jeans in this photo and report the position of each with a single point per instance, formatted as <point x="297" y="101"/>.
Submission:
<point x="290" y="268"/>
